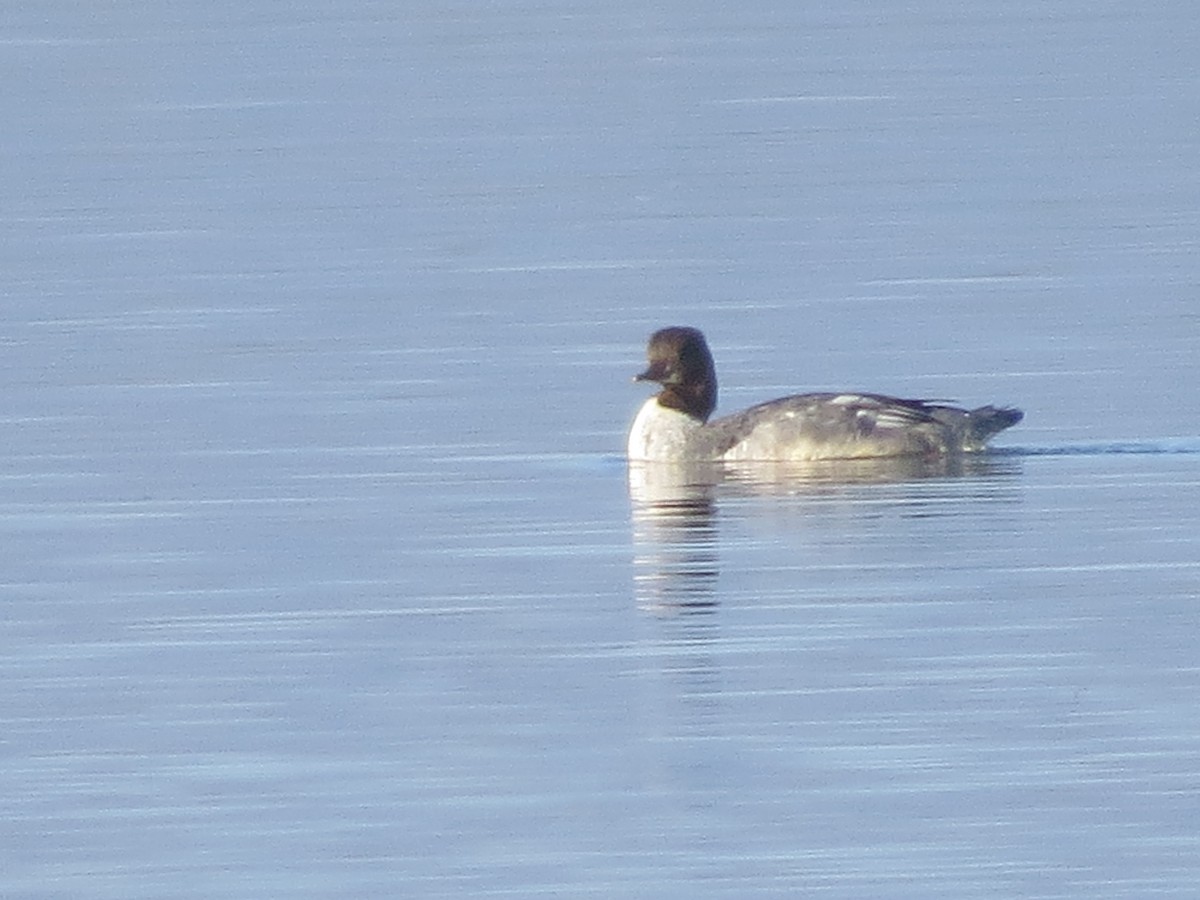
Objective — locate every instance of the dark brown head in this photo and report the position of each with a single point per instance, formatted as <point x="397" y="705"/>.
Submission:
<point x="681" y="362"/>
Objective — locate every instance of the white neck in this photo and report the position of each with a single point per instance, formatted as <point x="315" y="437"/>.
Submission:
<point x="661" y="434"/>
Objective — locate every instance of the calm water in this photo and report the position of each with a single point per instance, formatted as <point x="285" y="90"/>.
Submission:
<point x="323" y="574"/>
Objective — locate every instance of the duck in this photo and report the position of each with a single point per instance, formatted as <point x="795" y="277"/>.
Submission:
<point x="674" y="425"/>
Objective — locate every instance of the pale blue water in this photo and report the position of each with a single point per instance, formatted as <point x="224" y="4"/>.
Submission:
<point x="323" y="575"/>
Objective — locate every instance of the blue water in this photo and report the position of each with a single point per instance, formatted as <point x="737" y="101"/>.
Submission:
<point x="323" y="575"/>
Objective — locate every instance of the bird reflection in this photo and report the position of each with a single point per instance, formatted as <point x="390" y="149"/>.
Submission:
<point x="826" y="476"/>
<point x="674" y="536"/>
<point x="675" y="529"/>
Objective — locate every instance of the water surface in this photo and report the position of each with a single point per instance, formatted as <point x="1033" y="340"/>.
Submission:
<point x="323" y="573"/>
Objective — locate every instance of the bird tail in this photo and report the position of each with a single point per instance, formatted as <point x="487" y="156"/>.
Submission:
<point x="987" y="421"/>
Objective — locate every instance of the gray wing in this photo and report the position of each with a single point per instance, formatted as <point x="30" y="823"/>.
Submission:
<point x="836" y="426"/>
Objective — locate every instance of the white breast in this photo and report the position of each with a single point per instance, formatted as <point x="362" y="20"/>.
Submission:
<point x="662" y="434"/>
